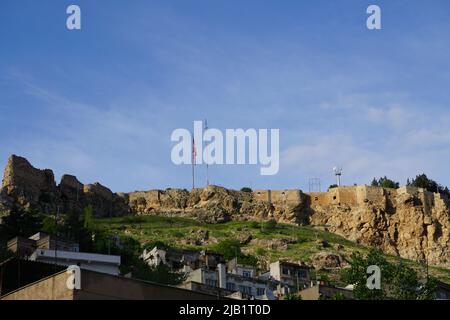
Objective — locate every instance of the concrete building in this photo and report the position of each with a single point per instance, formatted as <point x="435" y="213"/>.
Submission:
<point x="325" y="291"/>
<point x="442" y="291"/>
<point x="296" y="276"/>
<point x="89" y="261"/>
<point x="183" y="260"/>
<point x="234" y="267"/>
<point x="22" y="247"/>
<point x="42" y="247"/>
<point x="40" y="281"/>
<point x="46" y="241"/>
<point x="250" y="287"/>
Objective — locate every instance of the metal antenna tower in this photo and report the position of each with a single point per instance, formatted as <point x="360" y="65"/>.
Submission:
<point x="338" y="173"/>
<point x="314" y="185"/>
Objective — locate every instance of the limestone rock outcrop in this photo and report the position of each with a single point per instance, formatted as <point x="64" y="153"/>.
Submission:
<point x="31" y="188"/>
<point x="408" y="222"/>
<point x="326" y="261"/>
<point x="27" y="186"/>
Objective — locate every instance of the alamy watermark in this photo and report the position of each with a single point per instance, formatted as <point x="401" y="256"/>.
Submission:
<point x="73" y="21"/>
<point x="74" y="279"/>
<point x="234" y="146"/>
<point x="374" y="279"/>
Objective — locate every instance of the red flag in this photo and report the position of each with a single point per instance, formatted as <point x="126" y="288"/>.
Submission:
<point x="194" y="152"/>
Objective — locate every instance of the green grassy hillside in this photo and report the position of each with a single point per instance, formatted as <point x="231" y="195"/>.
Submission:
<point x="268" y="243"/>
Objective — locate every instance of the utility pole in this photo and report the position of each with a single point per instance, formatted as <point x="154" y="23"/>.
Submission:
<point x="56" y="238"/>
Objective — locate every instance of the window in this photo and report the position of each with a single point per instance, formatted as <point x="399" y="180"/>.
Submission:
<point x="260" y="291"/>
<point x="247" y="274"/>
<point x="245" y="289"/>
<point x="211" y="283"/>
<point x="302" y="274"/>
<point x="231" y="286"/>
<point x="285" y="271"/>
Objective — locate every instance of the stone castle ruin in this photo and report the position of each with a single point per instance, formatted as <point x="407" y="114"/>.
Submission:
<point x="408" y="222"/>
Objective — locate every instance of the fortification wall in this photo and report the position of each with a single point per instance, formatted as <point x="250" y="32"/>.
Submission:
<point x="346" y="195"/>
<point x="142" y="201"/>
<point x="286" y="196"/>
<point x="318" y="198"/>
<point x="373" y="194"/>
<point x="357" y="195"/>
<point x="262" y="195"/>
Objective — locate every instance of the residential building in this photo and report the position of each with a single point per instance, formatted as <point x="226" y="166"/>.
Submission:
<point x="250" y="287"/>
<point x="41" y="281"/>
<point x="442" y="291"/>
<point x="234" y="267"/>
<point x="46" y="248"/>
<point x="22" y="247"/>
<point x="89" y="261"/>
<point x="50" y="242"/>
<point x="322" y="290"/>
<point x="183" y="260"/>
<point x="296" y="276"/>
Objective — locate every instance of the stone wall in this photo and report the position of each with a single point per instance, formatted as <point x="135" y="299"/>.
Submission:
<point x="410" y="222"/>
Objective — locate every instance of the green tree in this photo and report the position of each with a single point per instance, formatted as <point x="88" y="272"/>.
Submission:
<point x="159" y="274"/>
<point x="357" y="275"/>
<point x="20" y="222"/>
<point x="385" y="182"/>
<point x="293" y="296"/>
<point x="246" y="189"/>
<point x="338" y="296"/>
<point x="422" y="181"/>
<point x="405" y="283"/>
<point x="398" y="281"/>
<point x="375" y="183"/>
<point x="229" y="248"/>
<point x="269" y="226"/>
<point x="88" y="218"/>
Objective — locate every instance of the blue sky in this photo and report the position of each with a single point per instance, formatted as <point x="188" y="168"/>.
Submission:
<point x="101" y="103"/>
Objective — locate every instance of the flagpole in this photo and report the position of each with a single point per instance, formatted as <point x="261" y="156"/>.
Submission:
<point x="207" y="173"/>
<point x="193" y="162"/>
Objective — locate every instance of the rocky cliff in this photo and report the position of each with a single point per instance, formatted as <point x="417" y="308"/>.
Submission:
<point x="408" y="222"/>
<point x="31" y="188"/>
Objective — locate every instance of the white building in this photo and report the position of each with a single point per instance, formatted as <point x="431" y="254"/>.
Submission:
<point x="46" y="248"/>
<point x="90" y="261"/>
<point x="249" y="286"/>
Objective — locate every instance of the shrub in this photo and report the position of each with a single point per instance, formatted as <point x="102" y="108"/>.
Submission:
<point x="229" y="248"/>
<point x="255" y="225"/>
<point x="269" y="225"/>
<point x="261" y="252"/>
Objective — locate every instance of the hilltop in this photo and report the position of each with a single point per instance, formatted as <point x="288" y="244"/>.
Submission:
<point x="408" y="222"/>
